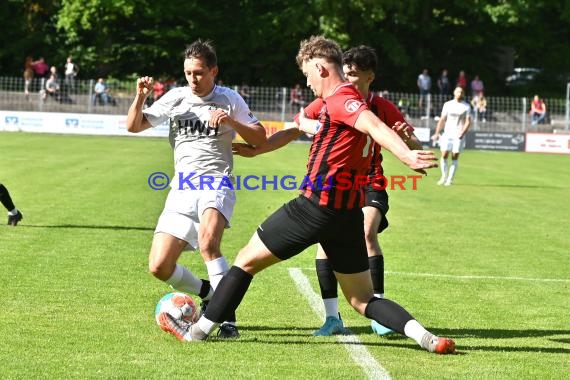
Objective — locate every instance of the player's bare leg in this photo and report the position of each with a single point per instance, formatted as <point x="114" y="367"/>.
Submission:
<point x="452" y="169"/>
<point x="443" y="166"/>
<point x="212" y="225"/>
<point x="253" y="258"/>
<point x="162" y="263"/>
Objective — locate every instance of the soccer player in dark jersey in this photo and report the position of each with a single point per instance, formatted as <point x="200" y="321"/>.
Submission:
<point x="329" y="215"/>
<point x="14" y="215"/>
<point x="359" y="66"/>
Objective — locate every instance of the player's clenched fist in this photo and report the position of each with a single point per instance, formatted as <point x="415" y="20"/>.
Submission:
<point x="144" y="85"/>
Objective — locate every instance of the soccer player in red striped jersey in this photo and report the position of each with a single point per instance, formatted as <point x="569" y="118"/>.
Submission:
<point x="359" y="66"/>
<point x="330" y="215"/>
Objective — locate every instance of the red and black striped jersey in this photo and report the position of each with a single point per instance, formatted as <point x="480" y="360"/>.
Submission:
<point x="340" y="154"/>
<point x="389" y="114"/>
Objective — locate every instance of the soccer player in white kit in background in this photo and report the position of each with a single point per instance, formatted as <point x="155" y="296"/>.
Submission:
<point x="456" y="117"/>
<point x="203" y="119"/>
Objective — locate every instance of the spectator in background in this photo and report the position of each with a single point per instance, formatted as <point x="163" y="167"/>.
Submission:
<point x="28" y="75"/>
<point x="100" y="93"/>
<point x="52" y="88"/>
<point x="245" y="94"/>
<point x="461" y="81"/>
<point x="476" y="86"/>
<point x="41" y="69"/>
<point x="443" y="83"/>
<point x="479" y="105"/>
<point x="424" y="85"/>
<point x="170" y="84"/>
<point x="71" y="70"/>
<point x="53" y="71"/>
<point x="537" y="110"/>
<point x="297" y="100"/>
<point x="158" y="89"/>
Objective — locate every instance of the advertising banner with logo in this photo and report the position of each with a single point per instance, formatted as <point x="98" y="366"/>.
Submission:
<point x="548" y="143"/>
<point x="505" y="141"/>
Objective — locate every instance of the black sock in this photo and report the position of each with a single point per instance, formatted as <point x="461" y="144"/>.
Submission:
<point x="205" y="289"/>
<point x="5" y="198"/>
<point x="228" y="295"/>
<point x="388" y="313"/>
<point x="327" y="279"/>
<point x="377" y="272"/>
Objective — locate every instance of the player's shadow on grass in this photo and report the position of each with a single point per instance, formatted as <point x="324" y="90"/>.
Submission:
<point x="87" y="226"/>
<point x="499" y="333"/>
<point x="400" y="341"/>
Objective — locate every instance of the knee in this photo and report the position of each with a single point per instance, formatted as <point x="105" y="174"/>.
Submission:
<point x="209" y="249"/>
<point x="160" y="269"/>
<point x="370" y="238"/>
<point x="358" y="305"/>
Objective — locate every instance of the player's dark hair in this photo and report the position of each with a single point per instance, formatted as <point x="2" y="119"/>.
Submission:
<point x="203" y="50"/>
<point x="319" y="47"/>
<point x="361" y="57"/>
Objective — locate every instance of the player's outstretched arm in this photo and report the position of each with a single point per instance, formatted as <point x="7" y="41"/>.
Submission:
<point x="136" y="122"/>
<point x="418" y="160"/>
<point x="275" y="141"/>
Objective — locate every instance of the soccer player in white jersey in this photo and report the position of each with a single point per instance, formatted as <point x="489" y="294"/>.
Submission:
<point x="456" y="117"/>
<point x="203" y="119"/>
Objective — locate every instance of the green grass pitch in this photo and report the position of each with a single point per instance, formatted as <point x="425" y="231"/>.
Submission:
<point x="484" y="261"/>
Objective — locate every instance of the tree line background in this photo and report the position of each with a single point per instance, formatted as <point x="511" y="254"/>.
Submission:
<point x="257" y="40"/>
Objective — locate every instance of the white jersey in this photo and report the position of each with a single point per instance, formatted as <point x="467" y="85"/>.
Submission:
<point x="456" y="112"/>
<point x="198" y="147"/>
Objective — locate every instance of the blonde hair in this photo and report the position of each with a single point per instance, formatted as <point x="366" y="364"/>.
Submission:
<point x="319" y="47"/>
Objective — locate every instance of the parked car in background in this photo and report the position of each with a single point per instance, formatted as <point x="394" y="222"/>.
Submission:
<point x="522" y="76"/>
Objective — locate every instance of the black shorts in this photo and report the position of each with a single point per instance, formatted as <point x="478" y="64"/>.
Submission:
<point x="300" y="223"/>
<point x="378" y="199"/>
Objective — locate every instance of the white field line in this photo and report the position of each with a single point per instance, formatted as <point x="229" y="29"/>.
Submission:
<point x="357" y="351"/>
<point x="471" y="277"/>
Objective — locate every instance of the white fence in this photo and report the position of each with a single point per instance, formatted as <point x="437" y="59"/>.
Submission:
<point x="274" y="103"/>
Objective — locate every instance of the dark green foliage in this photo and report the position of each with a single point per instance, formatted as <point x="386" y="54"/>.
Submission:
<point x="257" y="39"/>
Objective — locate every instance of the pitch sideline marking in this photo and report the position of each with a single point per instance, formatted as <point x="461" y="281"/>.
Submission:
<point x="357" y="351"/>
<point x="470" y="277"/>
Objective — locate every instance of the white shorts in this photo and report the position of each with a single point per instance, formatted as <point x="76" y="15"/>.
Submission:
<point x="183" y="210"/>
<point x="453" y="144"/>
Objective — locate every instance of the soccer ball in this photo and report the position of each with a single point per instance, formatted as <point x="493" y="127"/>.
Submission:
<point x="178" y="305"/>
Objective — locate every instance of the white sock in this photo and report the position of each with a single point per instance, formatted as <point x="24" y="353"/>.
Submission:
<point x="13" y="212"/>
<point x="182" y="279"/>
<point x="414" y="330"/>
<point x="216" y="270"/>
<point x="443" y="168"/>
<point x="206" y="325"/>
<point x="452" y="170"/>
<point x="379" y="295"/>
<point x="331" y="307"/>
